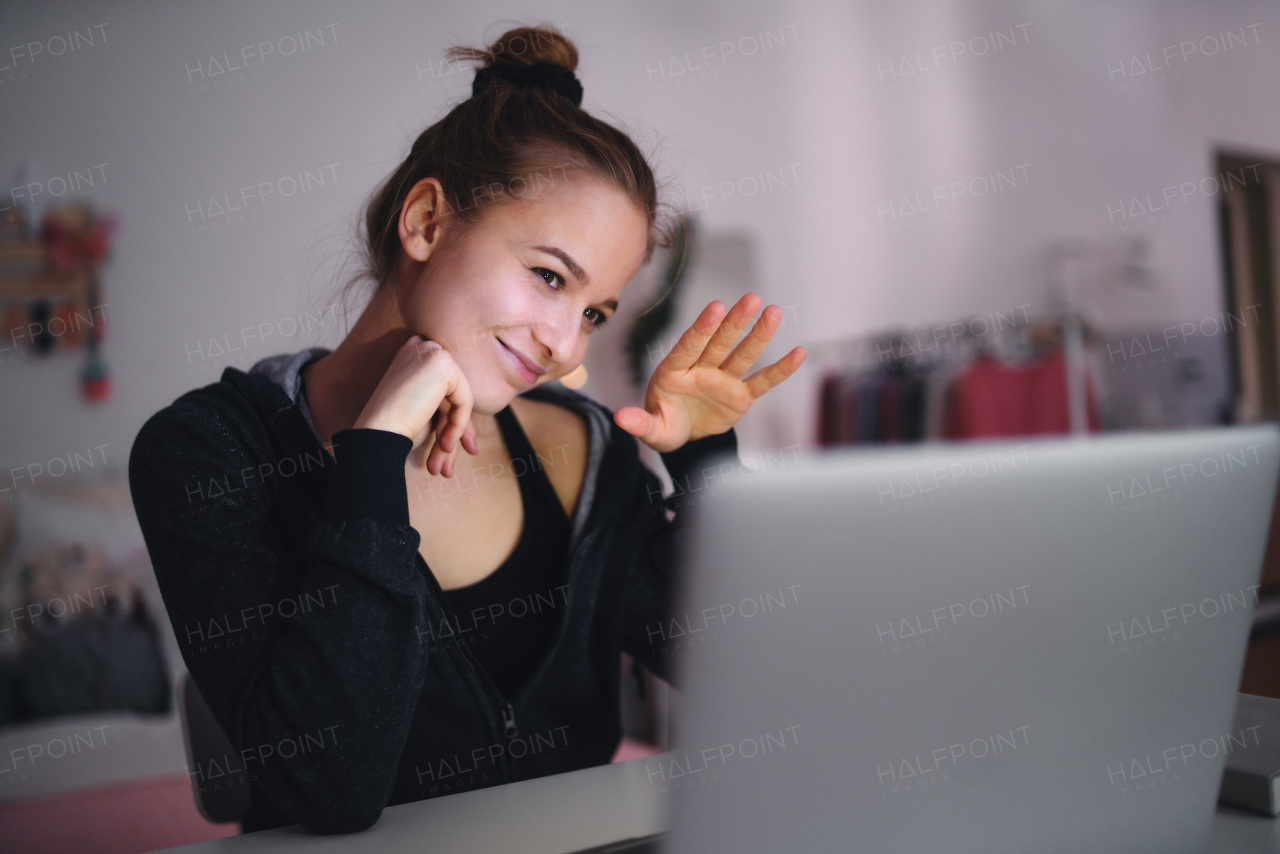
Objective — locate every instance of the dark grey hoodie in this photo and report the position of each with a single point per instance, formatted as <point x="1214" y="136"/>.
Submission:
<point x="312" y="626"/>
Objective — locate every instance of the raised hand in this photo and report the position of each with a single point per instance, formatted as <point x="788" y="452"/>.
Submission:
<point x="697" y="390"/>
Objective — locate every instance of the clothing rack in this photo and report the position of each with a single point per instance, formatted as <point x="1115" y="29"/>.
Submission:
<point x="956" y="341"/>
<point x="997" y="343"/>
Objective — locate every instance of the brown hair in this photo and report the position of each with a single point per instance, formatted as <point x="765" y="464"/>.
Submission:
<point x="505" y="142"/>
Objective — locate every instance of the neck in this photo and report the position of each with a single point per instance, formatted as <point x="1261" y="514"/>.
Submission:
<point x="339" y="385"/>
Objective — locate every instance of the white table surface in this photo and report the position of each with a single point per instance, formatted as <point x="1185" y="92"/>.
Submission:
<point x="567" y="812"/>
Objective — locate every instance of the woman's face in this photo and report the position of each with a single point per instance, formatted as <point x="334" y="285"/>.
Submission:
<point x="533" y="277"/>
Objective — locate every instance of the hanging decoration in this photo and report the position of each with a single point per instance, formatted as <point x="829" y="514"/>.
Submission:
<point x="52" y="286"/>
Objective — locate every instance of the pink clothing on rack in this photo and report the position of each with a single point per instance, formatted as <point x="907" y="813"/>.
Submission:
<point x="992" y="398"/>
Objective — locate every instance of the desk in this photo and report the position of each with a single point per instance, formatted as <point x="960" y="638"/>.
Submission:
<point x="566" y="812"/>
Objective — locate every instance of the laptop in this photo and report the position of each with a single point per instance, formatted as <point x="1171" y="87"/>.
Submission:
<point x="1019" y="646"/>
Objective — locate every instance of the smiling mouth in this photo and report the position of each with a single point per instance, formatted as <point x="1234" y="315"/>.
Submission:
<point x="526" y="374"/>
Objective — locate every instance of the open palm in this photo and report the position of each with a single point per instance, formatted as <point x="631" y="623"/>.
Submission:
<point x="698" y="389"/>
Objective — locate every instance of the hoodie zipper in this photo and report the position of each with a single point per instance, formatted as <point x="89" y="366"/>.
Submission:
<point x="509" y="728"/>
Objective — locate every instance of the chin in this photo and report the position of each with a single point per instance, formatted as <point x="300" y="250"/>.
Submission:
<point x="493" y="399"/>
<point x="491" y="405"/>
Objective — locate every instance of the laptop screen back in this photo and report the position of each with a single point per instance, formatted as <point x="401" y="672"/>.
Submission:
<point x="974" y="647"/>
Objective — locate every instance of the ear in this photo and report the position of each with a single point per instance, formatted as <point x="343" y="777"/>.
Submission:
<point x="420" y="217"/>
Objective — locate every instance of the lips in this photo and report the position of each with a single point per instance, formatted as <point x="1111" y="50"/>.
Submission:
<point x="529" y="370"/>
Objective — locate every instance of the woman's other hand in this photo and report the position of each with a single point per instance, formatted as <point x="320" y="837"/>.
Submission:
<point x="425" y="396"/>
<point x="697" y="390"/>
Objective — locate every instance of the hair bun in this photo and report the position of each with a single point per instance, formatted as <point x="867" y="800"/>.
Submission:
<point x="526" y="56"/>
<point x="554" y="77"/>
<point x="523" y="46"/>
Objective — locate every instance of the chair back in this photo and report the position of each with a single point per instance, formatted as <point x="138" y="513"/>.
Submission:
<point x="221" y="791"/>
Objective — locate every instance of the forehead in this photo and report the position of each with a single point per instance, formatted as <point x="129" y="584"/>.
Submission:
<point x="595" y="222"/>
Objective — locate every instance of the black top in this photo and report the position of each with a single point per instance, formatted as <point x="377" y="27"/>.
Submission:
<point x="508" y="618"/>
<point x="303" y="609"/>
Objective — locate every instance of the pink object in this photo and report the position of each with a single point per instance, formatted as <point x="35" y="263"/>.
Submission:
<point x="995" y="399"/>
<point x="124" y="818"/>
<point x="632" y="749"/>
<point x="129" y="818"/>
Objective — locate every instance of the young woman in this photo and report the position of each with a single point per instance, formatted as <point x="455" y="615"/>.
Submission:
<point x="374" y="616"/>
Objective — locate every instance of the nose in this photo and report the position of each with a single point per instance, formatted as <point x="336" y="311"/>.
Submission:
<point x="557" y="334"/>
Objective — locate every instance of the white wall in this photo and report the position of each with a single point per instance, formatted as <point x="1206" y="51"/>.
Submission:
<point x="818" y="108"/>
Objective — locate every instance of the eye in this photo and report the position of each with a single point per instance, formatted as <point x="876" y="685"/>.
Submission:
<point x="543" y="273"/>
<point x="558" y="283"/>
<point x="600" y="319"/>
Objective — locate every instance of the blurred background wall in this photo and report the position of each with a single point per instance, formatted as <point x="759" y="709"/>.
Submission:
<point x="818" y="130"/>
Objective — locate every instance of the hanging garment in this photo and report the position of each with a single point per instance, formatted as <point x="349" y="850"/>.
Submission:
<point x="912" y="418"/>
<point x="992" y="398"/>
<point x="830" y="402"/>
<point x="889" y="416"/>
<point x="868" y="394"/>
<point x="849" y="393"/>
<point x="937" y="402"/>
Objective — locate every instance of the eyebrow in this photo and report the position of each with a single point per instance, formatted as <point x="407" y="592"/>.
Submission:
<point x="577" y="271"/>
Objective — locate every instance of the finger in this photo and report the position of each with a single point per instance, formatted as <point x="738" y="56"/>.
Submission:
<point x="469" y="439"/>
<point x="746" y="353"/>
<point x="414" y="344"/>
<point x="440" y="451"/>
<point x="440" y="462"/>
<point x="451" y="458"/>
<point x="450" y="463"/>
<point x="459" y="415"/>
<point x="636" y="421"/>
<point x="689" y="348"/>
<point x="440" y="422"/>
<point x="423" y="346"/>
<point x="436" y="456"/>
<point x="730" y="329"/>
<point x="768" y="377"/>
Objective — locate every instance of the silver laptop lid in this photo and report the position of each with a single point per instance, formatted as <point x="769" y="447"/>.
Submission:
<point x="975" y="647"/>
